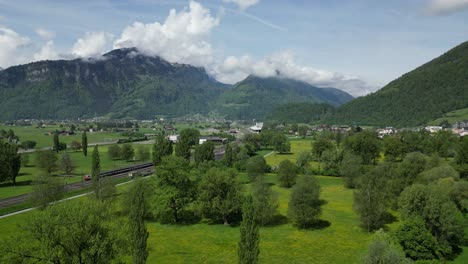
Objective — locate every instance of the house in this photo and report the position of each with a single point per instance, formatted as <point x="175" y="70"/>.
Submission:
<point x="218" y="140"/>
<point x="173" y="138"/>
<point x="382" y="132"/>
<point x="257" y="128"/>
<point x="461" y="125"/>
<point x="433" y="129"/>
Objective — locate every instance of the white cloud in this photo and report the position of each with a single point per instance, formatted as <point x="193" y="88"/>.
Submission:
<point x="445" y="7"/>
<point x="47" y="52"/>
<point x="45" y="34"/>
<point x="181" y="38"/>
<point x="243" y="4"/>
<point x="93" y="44"/>
<point x="283" y="65"/>
<point x="10" y="45"/>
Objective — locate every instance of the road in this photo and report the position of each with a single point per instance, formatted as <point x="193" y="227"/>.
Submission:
<point x="122" y="173"/>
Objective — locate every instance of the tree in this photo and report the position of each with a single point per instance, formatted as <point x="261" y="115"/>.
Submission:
<point x="143" y="153"/>
<point x="56" y="147"/>
<point x="255" y="167"/>
<point x="365" y="144"/>
<point x="28" y="144"/>
<point x="384" y="249"/>
<point x="265" y="201"/>
<point x="248" y="247"/>
<point x="228" y="158"/>
<point x="174" y="189"/>
<point x="96" y="173"/>
<point x="10" y="162"/>
<point x="280" y="143"/>
<point x="417" y="242"/>
<point x="204" y="152"/>
<point x="394" y="148"/>
<point x="46" y="189"/>
<point x="47" y="161"/>
<point x="331" y="160"/>
<point x="320" y="145"/>
<point x="161" y="148"/>
<point x="84" y="143"/>
<point x="127" y="152"/>
<point x="220" y="195"/>
<point x="370" y="200"/>
<point x="303" y="159"/>
<point x="461" y="157"/>
<point x="303" y="131"/>
<point x="304" y="204"/>
<point x="73" y="232"/>
<point x="287" y="173"/>
<point x="190" y="136"/>
<point x="75" y="145"/>
<point x="138" y="232"/>
<point x="440" y="215"/>
<point x="67" y="164"/>
<point x="351" y="169"/>
<point x="114" y="151"/>
<point x="182" y="149"/>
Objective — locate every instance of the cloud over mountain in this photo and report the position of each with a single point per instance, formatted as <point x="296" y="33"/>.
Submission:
<point x="446" y="7"/>
<point x="10" y="43"/>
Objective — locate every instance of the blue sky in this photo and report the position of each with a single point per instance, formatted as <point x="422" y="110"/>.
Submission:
<point x="357" y="45"/>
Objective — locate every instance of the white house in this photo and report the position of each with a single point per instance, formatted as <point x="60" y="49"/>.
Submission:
<point x="257" y="128"/>
<point x="433" y="129"/>
<point x="173" y="138"/>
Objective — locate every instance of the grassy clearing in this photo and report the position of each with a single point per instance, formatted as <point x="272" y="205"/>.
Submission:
<point x="452" y="117"/>
<point x="297" y="146"/>
<point x="82" y="163"/>
<point x="205" y="243"/>
<point x="43" y="140"/>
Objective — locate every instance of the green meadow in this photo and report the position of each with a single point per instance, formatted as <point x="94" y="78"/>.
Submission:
<point x="82" y="163"/>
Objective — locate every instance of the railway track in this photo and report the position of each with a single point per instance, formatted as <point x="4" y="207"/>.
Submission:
<point x="113" y="174"/>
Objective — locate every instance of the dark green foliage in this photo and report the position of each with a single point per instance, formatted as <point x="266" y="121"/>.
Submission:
<point x="256" y="97"/>
<point x="440" y="215"/>
<point x="119" y="85"/>
<point x="174" y="189"/>
<point x="25" y="160"/>
<point x="228" y="158"/>
<point x="190" y="135"/>
<point x="364" y="144"/>
<point x="161" y="148"/>
<point x="127" y="152"/>
<point x="265" y="201"/>
<point x="320" y="145"/>
<point x="77" y="231"/>
<point x="394" y="148"/>
<point x="434" y="174"/>
<point x="75" y="146"/>
<point x="304" y="205"/>
<point x="47" y="161"/>
<point x="300" y="113"/>
<point x="56" y="146"/>
<point x="182" y="149"/>
<point x="303" y="160"/>
<point x="255" y="167"/>
<point x="416" y="98"/>
<point x="10" y="162"/>
<point x="331" y="160"/>
<point x="461" y="157"/>
<point x="204" y="152"/>
<point x="114" y="151"/>
<point x="220" y="196"/>
<point x="248" y="248"/>
<point x="280" y="143"/>
<point x="370" y="199"/>
<point x="84" y="143"/>
<point x="28" y="144"/>
<point x="138" y="232"/>
<point x="96" y="173"/>
<point x="417" y="242"/>
<point x="351" y="169"/>
<point x="287" y="173"/>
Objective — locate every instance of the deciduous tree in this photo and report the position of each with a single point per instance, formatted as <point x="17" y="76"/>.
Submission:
<point x="248" y="248"/>
<point x="287" y="173"/>
<point x="304" y="205"/>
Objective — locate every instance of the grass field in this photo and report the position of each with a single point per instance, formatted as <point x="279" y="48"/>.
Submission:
<point x="82" y="163"/>
<point x="452" y="117"/>
<point x="43" y="140"/>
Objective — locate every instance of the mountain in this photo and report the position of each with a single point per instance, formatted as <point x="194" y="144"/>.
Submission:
<point x="424" y="94"/>
<point x="300" y="112"/>
<point x="256" y="97"/>
<point x="123" y="83"/>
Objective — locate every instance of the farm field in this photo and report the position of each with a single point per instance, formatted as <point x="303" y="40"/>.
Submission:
<point x="82" y="163"/>
<point x="43" y="140"/>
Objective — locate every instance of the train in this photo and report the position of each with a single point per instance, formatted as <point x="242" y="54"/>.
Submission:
<point x="132" y="171"/>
